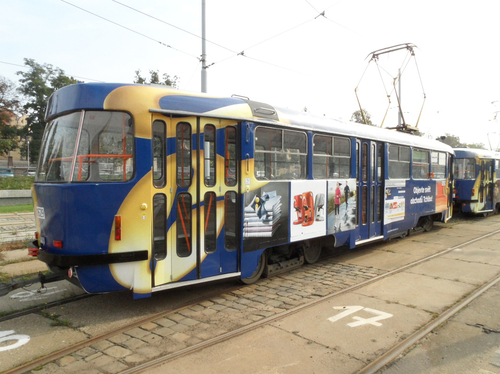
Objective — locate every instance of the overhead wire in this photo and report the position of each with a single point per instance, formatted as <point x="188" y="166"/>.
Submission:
<point x="172" y="25"/>
<point x="235" y="54"/>
<point x="129" y="29"/>
<point x="242" y="53"/>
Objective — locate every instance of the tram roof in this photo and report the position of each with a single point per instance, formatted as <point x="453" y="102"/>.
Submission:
<point x="472" y="152"/>
<point x="170" y="101"/>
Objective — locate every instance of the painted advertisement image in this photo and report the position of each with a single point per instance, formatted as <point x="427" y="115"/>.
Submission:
<point x="308" y="209"/>
<point x="262" y="216"/>
<point x="265" y="216"/>
<point x="341" y="205"/>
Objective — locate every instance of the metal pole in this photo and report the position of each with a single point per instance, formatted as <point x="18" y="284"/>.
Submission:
<point x="203" y="50"/>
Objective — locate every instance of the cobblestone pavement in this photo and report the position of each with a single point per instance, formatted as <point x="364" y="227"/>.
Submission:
<point x="212" y="318"/>
<point x="17" y="226"/>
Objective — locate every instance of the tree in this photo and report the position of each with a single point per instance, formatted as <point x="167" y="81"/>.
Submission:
<point x="454" y="142"/>
<point x="154" y="78"/>
<point x="9" y="106"/>
<point x="37" y="84"/>
<point x="357" y="117"/>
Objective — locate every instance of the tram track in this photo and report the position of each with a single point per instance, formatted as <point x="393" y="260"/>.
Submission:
<point x="373" y="366"/>
<point x="237" y="290"/>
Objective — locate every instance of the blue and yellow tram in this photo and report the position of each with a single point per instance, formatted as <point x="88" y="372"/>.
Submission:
<point x="147" y="188"/>
<point x="477" y="181"/>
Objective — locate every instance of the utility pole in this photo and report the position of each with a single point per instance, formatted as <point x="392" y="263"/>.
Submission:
<point x="203" y="50"/>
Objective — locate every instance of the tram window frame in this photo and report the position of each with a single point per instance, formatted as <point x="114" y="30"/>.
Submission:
<point x="230" y="219"/>
<point x="281" y="155"/>
<point x="210" y="172"/>
<point x="497" y="169"/>
<point x="464" y="168"/>
<point x="184" y="227"/>
<point x="399" y="161"/>
<point x="95" y="146"/>
<point x="183" y="153"/>
<point x="159" y="154"/>
<point x="380" y="166"/>
<point x="159" y="226"/>
<point x="420" y="164"/>
<point x="438" y="165"/>
<point x="230" y="157"/>
<point x="331" y="158"/>
<point x="210" y="228"/>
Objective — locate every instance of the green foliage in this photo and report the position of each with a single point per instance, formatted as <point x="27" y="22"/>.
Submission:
<point x="454" y="142"/>
<point x="24" y="208"/>
<point x="154" y="78"/>
<point x="357" y="117"/>
<point x="16" y="183"/>
<point x="37" y="84"/>
<point x="9" y="106"/>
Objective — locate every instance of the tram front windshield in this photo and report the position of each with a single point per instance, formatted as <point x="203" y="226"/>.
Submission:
<point x="87" y="146"/>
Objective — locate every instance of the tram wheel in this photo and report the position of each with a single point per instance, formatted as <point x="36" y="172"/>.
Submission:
<point x="312" y="251"/>
<point x="258" y="272"/>
<point x="428" y="224"/>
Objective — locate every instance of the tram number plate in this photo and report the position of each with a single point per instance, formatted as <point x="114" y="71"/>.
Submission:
<point x="348" y="310"/>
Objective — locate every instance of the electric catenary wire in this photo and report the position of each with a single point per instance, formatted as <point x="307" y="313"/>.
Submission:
<point x="128" y="28"/>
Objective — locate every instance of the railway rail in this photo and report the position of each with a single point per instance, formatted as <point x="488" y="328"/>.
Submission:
<point x="202" y="323"/>
<point x="16" y="226"/>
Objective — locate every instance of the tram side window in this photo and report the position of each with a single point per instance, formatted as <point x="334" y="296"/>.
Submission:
<point x="183" y="155"/>
<point x="331" y="157"/>
<point x="230" y="219"/>
<point x="420" y="164"/>
<point x="231" y="167"/>
<point x="342" y="158"/>
<point x="280" y="154"/>
<point x="114" y="149"/>
<point x="464" y="168"/>
<point x="210" y="208"/>
<point x="159" y="157"/>
<point x="497" y="169"/>
<point x="322" y="156"/>
<point x="399" y="162"/>
<point x="209" y="150"/>
<point x="183" y="223"/>
<point x="159" y="227"/>
<point x="438" y="165"/>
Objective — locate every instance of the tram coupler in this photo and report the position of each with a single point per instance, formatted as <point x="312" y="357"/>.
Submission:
<point x="43" y="279"/>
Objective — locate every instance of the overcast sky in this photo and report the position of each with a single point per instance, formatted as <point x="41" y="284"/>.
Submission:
<point x="282" y="52"/>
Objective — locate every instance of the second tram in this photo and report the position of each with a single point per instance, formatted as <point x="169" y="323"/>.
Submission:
<point x="477" y="181"/>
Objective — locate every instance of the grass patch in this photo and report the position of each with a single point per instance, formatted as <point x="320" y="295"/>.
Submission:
<point x="25" y="208"/>
<point x="5" y="278"/>
<point x="55" y="319"/>
<point x="16" y="244"/>
<point x="16" y="183"/>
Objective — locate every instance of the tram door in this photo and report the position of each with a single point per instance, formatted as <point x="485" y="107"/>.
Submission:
<point x="371" y="189"/>
<point x="189" y="200"/>
<point x="219" y="206"/>
<point x="486" y="188"/>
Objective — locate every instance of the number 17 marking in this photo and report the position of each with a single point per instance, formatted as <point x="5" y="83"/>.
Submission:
<point x="360" y="320"/>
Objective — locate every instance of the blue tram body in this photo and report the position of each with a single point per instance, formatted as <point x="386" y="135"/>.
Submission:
<point x="477" y="181"/>
<point x="147" y="188"/>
